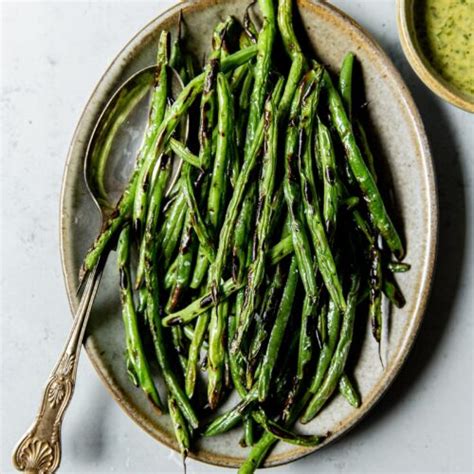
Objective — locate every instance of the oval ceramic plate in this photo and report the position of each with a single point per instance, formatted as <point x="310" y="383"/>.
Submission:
<point x="405" y="156"/>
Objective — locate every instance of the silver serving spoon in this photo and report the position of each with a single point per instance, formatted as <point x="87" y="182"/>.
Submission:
<point x="39" y="451"/>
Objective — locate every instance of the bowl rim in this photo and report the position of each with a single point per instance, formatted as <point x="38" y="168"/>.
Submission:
<point x="420" y="65"/>
<point x="425" y="281"/>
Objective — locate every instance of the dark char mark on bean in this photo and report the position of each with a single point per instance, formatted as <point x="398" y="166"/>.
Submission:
<point x="205" y="301"/>
<point x="186" y="242"/>
<point x="330" y="175"/>
<point x="374" y="277"/>
<point x="123" y="278"/>
<point x="165" y="159"/>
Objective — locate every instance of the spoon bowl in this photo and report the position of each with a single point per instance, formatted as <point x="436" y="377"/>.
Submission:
<point x="117" y="137"/>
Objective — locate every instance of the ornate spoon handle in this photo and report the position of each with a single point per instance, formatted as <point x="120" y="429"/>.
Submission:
<point x="39" y="451"/>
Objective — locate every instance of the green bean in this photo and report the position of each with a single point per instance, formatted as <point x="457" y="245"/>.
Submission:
<point x="179" y="61"/>
<point x="242" y="226"/>
<point x="339" y="358"/>
<point x="281" y="249"/>
<point x="269" y="307"/>
<point x="173" y="239"/>
<point x="207" y="120"/>
<point x="200" y="270"/>
<point x="170" y="275"/>
<point x="238" y="77"/>
<point x="283" y="434"/>
<point x="193" y="354"/>
<point x="299" y="64"/>
<point x="157" y="114"/>
<point x="153" y="213"/>
<point x="217" y="327"/>
<point x="363" y="226"/>
<point x="244" y="105"/>
<point x="189" y="67"/>
<point x="392" y="292"/>
<point x="241" y="234"/>
<point x="137" y="363"/>
<point x="265" y="193"/>
<point x="327" y="350"/>
<point x="231" y="418"/>
<point x="180" y="429"/>
<point x="233" y="164"/>
<point x="142" y="295"/>
<point x="177" y="336"/>
<point x="326" y="264"/>
<point x="348" y="391"/>
<point x="160" y="173"/>
<point x="168" y="236"/>
<point x="215" y="271"/>
<point x="214" y="207"/>
<point x="238" y="375"/>
<point x="306" y="343"/>
<point x="345" y="88"/>
<point x="176" y="54"/>
<point x="375" y="293"/>
<point x="208" y="100"/>
<point x="200" y="305"/>
<point x="364" y="143"/>
<point x="183" y="153"/>
<point x="278" y="331"/>
<point x="398" y="267"/>
<point x="379" y="215"/>
<point x="265" y="42"/>
<point x="156" y="329"/>
<point x="248" y="439"/>
<point x="160" y="90"/>
<point x="351" y="202"/>
<point x="195" y="217"/>
<point x="183" y="267"/>
<point x="188" y="331"/>
<point x="224" y="139"/>
<point x="322" y="329"/>
<point x="293" y="193"/>
<point x="285" y="25"/>
<point x="258" y="453"/>
<point x="345" y="82"/>
<point x="278" y="211"/>
<point x="215" y="199"/>
<point x="331" y="190"/>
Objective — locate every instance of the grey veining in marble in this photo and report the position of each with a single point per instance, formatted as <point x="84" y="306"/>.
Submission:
<point x="52" y="55"/>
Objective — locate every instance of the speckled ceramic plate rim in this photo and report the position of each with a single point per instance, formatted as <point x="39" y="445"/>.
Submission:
<point x="427" y="274"/>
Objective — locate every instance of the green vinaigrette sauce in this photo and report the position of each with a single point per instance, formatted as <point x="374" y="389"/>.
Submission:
<point x="445" y="30"/>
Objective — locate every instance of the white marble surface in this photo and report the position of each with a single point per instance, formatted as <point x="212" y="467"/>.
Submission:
<point x="52" y="54"/>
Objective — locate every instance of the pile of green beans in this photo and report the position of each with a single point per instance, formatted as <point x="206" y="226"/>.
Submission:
<point x="254" y="271"/>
